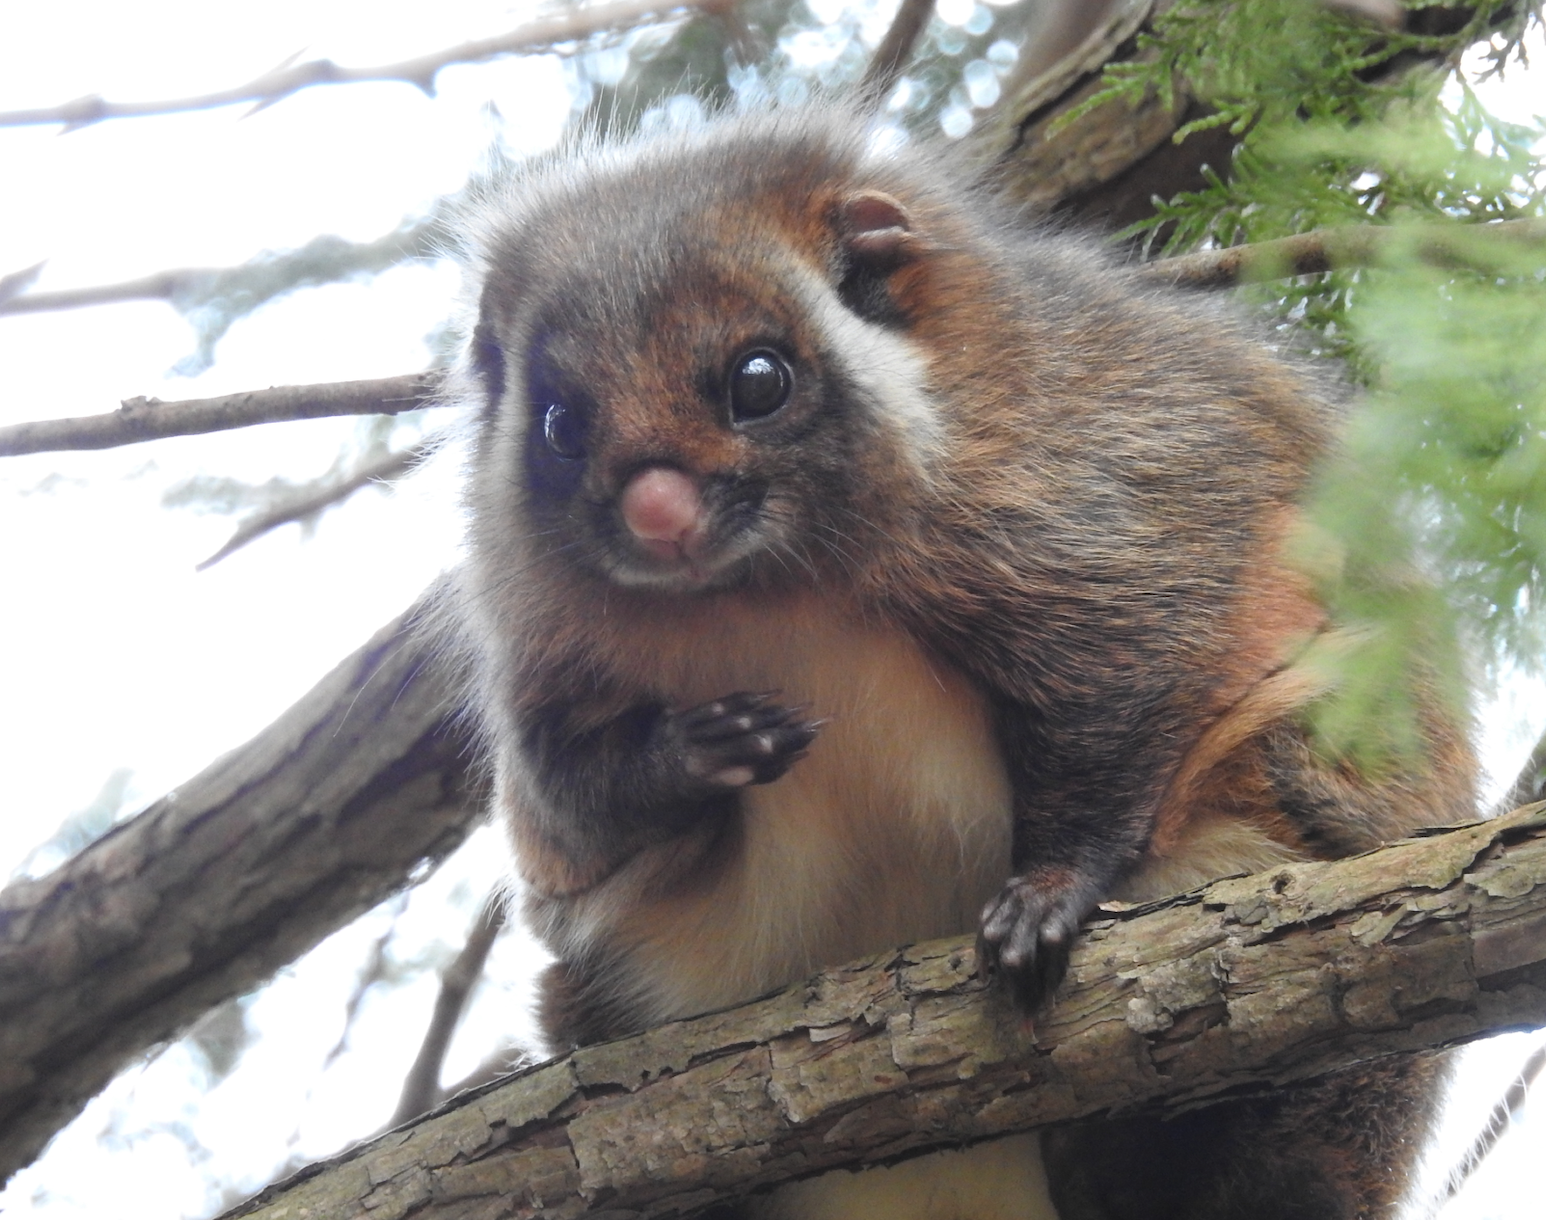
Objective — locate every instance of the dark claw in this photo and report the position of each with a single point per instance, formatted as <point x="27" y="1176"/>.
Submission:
<point x="1028" y="930"/>
<point x="731" y="706"/>
<point x="741" y="739"/>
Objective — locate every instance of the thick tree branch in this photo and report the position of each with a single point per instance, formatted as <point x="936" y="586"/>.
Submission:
<point x="240" y="870"/>
<point x="289" y="78"/>
<point x="1246" y="984"/>
<point x="1106" y="167"/>
<point x="150" y="419"/>
<point x="1046" y="162"/>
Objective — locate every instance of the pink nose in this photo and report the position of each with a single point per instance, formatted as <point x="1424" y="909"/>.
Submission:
<point x="661" y="506"/>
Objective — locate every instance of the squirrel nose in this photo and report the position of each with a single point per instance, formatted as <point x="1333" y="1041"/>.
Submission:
<point x="663" y="510"/>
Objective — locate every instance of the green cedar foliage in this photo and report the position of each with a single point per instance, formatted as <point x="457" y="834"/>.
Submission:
<point x="1428" y="533"/>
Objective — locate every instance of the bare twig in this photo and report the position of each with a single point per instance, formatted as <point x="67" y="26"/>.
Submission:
<point x="141" y="419"/>
<point x="1350" y="246"/>
<point x="1492" y="1131"/>
<point x="289" y="78"/>
<point x="372" y="972"/>
<point x="421" y="1087"/>
<point x="15" y="283"/>
<point x="149" y="419"/>
<point x="895" y="49"/>
<point x="160" y="286"/>
<point x="381" y="471"/>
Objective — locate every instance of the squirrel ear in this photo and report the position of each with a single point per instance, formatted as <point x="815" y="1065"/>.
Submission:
<point x="876" y="231"/>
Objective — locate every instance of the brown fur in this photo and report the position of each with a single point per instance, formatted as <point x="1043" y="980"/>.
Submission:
<point x="1008" y="548"/>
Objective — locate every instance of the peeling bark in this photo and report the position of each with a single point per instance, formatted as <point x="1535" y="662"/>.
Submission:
<point x="1247" y="983"/>
<point x="240" y="870"/>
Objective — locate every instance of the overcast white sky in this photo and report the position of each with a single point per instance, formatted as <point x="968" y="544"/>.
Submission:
<point x="117" y="655"/>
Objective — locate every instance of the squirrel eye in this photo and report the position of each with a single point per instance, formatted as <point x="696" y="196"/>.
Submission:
<point x="564" y="431"/>
<point x="759" y="385"/>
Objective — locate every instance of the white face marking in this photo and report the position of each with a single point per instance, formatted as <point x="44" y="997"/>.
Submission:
<point x="889" y="368"/>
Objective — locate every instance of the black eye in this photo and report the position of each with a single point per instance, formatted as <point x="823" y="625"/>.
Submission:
<point x="759" y="385"/>
<point x="564" y="430"/>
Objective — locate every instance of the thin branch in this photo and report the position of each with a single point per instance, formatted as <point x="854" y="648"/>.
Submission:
<point x="288" y="78"/>
<point x="895" y="50"/>
<point x="1350" y="246"/>
<point x="421" y="1087"/>
<point x="384" y="470"/>
<point x="1386" y="13"/>
<point x="372" y="972"/>
<point x="212" y="298"/>
<point x="1243" y="986"/>
<point x="159" y="286"/>
<point x="150" y="419"/>
<point x="1497" y="1124"/>
<point x="15" y="283"/>
<point x="141" y="419"/>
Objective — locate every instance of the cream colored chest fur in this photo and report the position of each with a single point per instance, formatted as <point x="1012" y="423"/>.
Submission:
<point x="895" y="827"/>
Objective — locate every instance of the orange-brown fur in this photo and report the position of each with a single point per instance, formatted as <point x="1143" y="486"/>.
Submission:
<point x="1008" y="547"/>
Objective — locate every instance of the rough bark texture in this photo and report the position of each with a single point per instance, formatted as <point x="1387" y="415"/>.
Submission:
<point x="207" y="892"/>
<point x="280" y="843"/>
<point x="1247" y="983"/>
<point x="1096" y="168"/>
<point x="1105" y="169"/>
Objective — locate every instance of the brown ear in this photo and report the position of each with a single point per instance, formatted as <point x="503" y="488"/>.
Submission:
<point x="876" y="231"/>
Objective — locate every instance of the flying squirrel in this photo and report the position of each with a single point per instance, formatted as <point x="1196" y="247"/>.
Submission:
<point x="851" y="563"/>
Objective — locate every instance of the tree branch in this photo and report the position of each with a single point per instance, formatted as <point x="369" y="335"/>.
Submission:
<point x="213" y="887"/>
<point x="1107" y="167"/>
<point x="141" y="419"/>
<point x="895" y="49"/>
<point x="1044" y="162"/>
<point x="150" y="419"/>
<point x="290" y="78"/>
<point x="1245" y="984"/>
<point x="421" y="1087"/>
<point x="1449" y="245"/>
<point x="384" y="470"/>
<point x="158" y="286"/>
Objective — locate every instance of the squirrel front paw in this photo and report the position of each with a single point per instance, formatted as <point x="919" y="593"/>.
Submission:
<point x="1027" y="930"/>
<point x="737" y="740"/>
